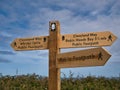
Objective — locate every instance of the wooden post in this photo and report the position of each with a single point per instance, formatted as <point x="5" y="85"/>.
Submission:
<point x="54" y="38"/>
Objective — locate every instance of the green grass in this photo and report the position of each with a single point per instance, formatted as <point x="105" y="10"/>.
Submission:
<point x="36" y="82"/>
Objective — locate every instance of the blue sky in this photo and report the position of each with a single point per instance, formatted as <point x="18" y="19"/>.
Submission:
<point x="29" y="18"/>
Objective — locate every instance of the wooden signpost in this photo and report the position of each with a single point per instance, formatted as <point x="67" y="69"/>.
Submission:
<point x="83" y="58"/>
<point x="34" y="43"/>
<point x="54" y="73"/>
<point x="57" y="60"/>
<point x="90" y="39"/>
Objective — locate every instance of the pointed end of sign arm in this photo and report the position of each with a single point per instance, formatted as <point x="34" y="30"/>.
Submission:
<point x="14" y="45"/>
<point x="112" y="37"/>
<point x="107" y="55"/>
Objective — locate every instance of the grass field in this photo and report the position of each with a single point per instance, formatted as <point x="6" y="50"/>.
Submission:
<point x="36" y="82"/>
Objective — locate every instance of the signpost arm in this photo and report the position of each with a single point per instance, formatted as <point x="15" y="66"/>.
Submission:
<point x="54" y="38"/>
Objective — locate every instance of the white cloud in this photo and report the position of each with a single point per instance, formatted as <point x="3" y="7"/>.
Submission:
<point x="115" y="8"/>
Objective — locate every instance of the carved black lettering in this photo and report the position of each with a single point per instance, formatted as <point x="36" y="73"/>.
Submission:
<point x="90" y="39"/>
<point x="83" y="39"/>
<point x="90" y="43"/>
<point x="44" y="39"/>
<point x="63" y="38"/>
<point x="76" y="44"/>
<point x="103" y="38"/>
<point x="77" y="58"/>
<point x="69" y="40"/>
<point x="93" y="34"/>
